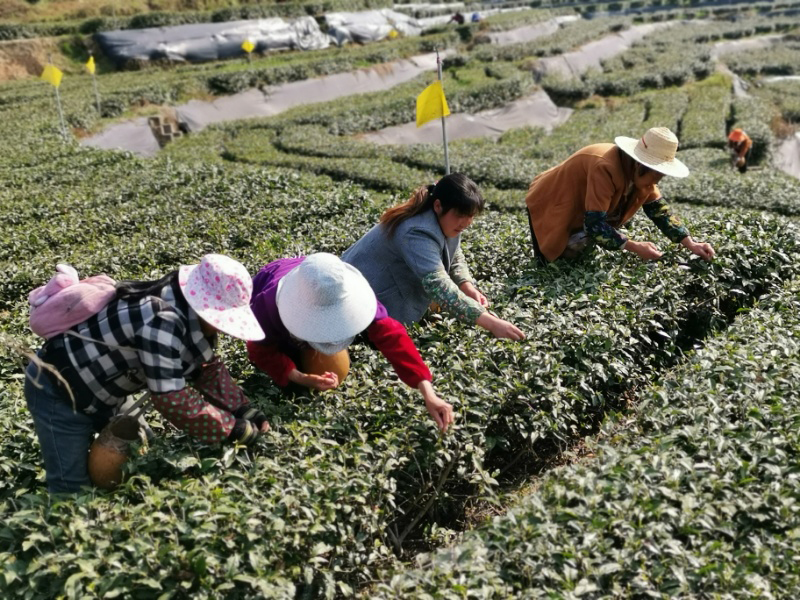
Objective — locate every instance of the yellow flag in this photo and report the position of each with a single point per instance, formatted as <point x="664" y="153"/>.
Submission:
<point x="52" y="75"/>
<point x="248" y="46"/>
<point x="431" y="104"/>
<point x="90" y="66"/>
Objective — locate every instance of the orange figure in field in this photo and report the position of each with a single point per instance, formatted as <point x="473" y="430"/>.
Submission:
<point x="739" y="145"/>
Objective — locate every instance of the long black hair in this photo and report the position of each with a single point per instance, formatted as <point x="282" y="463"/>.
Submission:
<point x="455" y="191"/>
<point x="136" y="290"/>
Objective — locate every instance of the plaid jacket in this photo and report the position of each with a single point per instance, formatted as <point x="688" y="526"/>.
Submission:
<point x="154" y="343"/>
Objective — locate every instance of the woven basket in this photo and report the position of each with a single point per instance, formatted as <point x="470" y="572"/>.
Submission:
<point x="110" y="451"/>
<point x="317" y="363"/>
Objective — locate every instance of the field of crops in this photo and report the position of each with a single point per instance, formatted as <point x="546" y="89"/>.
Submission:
<point x="667" y="389"/>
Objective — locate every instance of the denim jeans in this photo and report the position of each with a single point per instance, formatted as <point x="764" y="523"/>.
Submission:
<point x="64" y="435"/>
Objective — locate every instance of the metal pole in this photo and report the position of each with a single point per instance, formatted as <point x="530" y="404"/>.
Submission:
<point x="96" y="93"/>
<point x="58" y="104"/>
<point x="444" y="127"/>
<point x="61" y="115"/>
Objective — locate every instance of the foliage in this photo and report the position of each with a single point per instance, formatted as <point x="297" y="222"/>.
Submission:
<point x="704" y="122"/>
<point x="692" y="498"/>
<point x="349" y="478"/>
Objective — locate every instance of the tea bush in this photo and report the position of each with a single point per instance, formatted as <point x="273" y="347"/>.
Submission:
<point x="704" y="122"/>
<point x="348" y="481"/>
<point x="693" y="497"/>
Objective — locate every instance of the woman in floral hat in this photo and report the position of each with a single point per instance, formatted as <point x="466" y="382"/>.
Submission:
<point x="319" y="303"/>
<point x="599" y="189"/>
<point x="159" y="336"/>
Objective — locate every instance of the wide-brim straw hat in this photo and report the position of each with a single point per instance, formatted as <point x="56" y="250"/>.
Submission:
<point x="655" y="149"/>
<point x="219" y="290"/>
<point x="325" y="300"/>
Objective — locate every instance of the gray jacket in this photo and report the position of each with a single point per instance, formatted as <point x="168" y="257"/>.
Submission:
<point x="395" y="266"/>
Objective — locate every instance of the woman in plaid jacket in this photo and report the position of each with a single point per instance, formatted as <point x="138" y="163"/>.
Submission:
<point x="157" y="336"/>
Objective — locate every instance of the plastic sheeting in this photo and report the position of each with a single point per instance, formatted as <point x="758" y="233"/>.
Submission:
<point x="749" y="44"/>
<point x="211" y="41"/>
<point x="787" y="155"/>
<point x="529" y="33"/>
<point x="369" y="26"/>
<point x="572" y="64"/>
<point x="136" y="136"/>
<point x="536" y="110"/>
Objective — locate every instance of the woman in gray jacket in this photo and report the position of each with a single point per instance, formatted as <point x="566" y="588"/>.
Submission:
<point x="412" y="257"/>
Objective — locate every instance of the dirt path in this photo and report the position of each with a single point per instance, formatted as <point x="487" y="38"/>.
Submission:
<point x="135" y="135"/>
<point x="787" y="156"/>
<point x="592" y="54"/>
<point x="536" y="110"/>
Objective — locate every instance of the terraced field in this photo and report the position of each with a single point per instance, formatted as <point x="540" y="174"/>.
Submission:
<point x="666" y="389"/>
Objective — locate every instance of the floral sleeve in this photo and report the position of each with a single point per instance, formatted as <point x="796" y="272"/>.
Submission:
<point x="597" y="228"/>
<point x="658" y="212"/>
<point x="459" y="270"/>
<point x="444" y="291"/>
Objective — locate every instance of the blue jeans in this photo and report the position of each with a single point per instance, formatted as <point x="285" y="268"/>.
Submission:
<point x="64" y="435"/>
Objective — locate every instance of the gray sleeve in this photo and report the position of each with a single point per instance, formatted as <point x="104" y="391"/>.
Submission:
<point x="459" y="270"/>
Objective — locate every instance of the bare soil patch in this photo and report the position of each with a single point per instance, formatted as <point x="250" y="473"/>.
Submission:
<point x="22" y="58"/>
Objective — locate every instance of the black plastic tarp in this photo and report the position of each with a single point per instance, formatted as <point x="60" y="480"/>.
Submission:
<point x="211" y="41"/>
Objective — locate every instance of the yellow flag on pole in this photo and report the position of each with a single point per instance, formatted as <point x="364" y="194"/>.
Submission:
<point x="52" y="75"/>
<point x="90" y="66"/>
<point x="248" y="46"/>
<point x="431" y="104"/>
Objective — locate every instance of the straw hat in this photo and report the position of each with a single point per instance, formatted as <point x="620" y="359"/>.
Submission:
<point x="219" y="290"/>
<point x="325" y="302"/>
<point x="655" y="149"/>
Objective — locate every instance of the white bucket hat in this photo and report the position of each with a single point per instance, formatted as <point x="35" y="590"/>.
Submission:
<point x="219" y="290"/>
<point x="325" y="302"/>
<point x="655" y="149"/>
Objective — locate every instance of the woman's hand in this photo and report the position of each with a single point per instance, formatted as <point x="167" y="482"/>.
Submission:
<point x="499" y="327"/>
<point x="439" y="410"/>
<point x="472" y="292"/>
<point x="645" y="250"/>
<point x="701" y="249"/>
<point x="326" y="381"/>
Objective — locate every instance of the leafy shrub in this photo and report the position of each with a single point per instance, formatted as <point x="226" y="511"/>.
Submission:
<point x="695" y="482"/>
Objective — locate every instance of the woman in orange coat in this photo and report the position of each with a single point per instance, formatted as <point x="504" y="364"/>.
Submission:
<point x="599" y="189"/>
<point x="740" y="145"/>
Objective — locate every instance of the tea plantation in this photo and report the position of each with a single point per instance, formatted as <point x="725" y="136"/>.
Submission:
<point x="641" y="442"/>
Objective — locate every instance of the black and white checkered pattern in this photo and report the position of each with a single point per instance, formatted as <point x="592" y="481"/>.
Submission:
<point x="152" y="343"/>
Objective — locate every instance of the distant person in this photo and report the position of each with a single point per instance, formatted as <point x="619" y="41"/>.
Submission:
<point x="476" y="17"/>
<point x="598" y="190"/>
<point x="740" y="146"/>
<point x="458" y="18"/>
<point x="153" y="335"/>
<point x="311" y="308"/>
<point x="413" y="256"/>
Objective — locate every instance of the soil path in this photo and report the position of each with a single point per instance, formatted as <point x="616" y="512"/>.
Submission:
<point x="787" y="156"/>
<point x="536" y="110"/>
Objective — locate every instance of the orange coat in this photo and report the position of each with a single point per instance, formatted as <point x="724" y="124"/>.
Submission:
<point x="740" y="144"/>
<point x="594" y="178"/>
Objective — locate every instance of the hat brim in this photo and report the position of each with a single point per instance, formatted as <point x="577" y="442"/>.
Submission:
<point x="630" y="146"/>
<point x="239" y="322"/>
<point x="326" y="325"/>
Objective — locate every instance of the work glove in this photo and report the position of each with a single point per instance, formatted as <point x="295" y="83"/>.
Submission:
<point x="244" y="432"/>
<point x="252" y="414"/>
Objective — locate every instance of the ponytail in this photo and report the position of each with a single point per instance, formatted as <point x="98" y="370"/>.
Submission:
<point x="420" y="201"/>
<point x="454" y="191"/>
